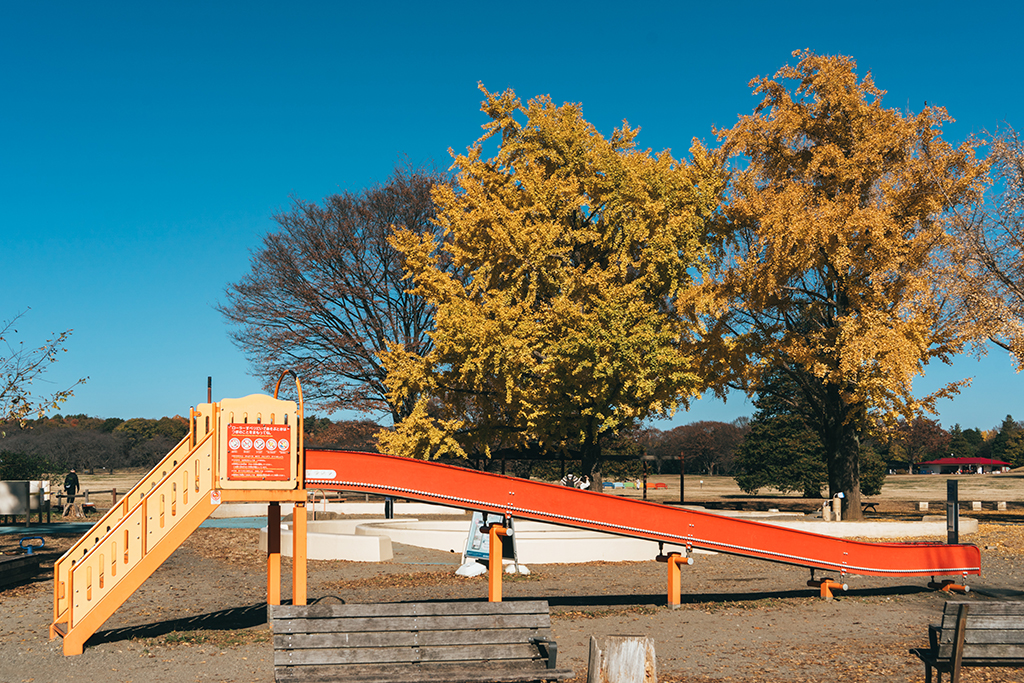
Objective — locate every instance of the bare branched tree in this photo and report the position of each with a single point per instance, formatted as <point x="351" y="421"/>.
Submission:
<point x="326" y="294"/>
<point x="994" y="239"/>
<point x="21" y="367"/>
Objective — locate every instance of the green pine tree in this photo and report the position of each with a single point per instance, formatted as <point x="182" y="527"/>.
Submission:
<point x="781" y="451"/>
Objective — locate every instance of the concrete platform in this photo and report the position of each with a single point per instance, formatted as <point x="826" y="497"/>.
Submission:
<point x="369" y="540"/>
<point x="536" y="542"/>
<point x="335" y="539"/>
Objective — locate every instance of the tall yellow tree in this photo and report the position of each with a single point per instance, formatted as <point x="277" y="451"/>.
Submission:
<point x="836" y="227"/>
<point x="556" y="323"/>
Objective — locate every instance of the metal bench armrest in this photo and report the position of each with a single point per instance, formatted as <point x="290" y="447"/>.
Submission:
<point x="550" y="650"/>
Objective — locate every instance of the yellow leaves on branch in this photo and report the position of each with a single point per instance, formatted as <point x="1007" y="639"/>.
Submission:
<point x="558" y="321"/>
<point x="838" y="223"/>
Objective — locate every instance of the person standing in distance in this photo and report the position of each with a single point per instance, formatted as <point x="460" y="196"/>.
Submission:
<point x="71" y="486"/>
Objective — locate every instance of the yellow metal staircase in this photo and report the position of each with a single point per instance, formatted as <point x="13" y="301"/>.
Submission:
<point x="134" y="538"/>
<point x="245" y="449"/>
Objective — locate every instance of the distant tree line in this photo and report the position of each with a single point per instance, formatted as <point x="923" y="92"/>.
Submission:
<point x="50" y="446"/>
<point x="54" y="445"/>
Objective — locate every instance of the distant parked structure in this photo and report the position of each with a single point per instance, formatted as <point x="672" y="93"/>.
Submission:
<point x="962" y="466"/>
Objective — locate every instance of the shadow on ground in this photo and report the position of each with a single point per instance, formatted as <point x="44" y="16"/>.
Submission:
<point x="232" y="619"/>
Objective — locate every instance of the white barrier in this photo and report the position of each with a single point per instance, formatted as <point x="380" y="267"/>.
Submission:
<point x="335" y="540"/>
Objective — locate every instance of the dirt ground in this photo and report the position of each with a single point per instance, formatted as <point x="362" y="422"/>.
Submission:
<point x="202" y="615"/>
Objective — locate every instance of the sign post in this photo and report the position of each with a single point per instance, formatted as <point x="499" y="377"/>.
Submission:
<point x="952" y="512"/>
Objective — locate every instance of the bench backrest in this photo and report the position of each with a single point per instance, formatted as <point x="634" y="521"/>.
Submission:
<point x="364" y="640"/>
<point x="993" y="631"/>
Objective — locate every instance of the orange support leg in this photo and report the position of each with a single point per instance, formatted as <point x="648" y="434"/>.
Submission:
<point x="675" y="580"/>
<point x="826" y="586"/>
<point x="299" y="554"/>
<point x="274" y="554"/>
<point x="948" y="586"/>
<point x="495" y="532"/>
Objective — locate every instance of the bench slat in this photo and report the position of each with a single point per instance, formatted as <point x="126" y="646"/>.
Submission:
<point x="982" y="607"/>
<point x="407" y="638"/>
<point x="405" y="609"/>
<point x="523" y="652"/>
<point x="986" y="636"/>
<point x="993" y="662"/>
<point x="994" y="651"/>
<point x="427" y="623"/>
<point x="424" y="673"/>
<point x="977" y="637"/>
<point x="981" y="622"/>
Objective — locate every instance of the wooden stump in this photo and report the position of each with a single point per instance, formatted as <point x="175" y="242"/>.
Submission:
<point x="73" y="511"/>
<point x="622" y="659"/>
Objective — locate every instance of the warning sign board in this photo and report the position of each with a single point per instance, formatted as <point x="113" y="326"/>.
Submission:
<point x="259" y="452"/>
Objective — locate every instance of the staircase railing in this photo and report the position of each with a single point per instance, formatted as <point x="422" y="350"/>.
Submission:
<point x="125" y="546"/>
<point x="199" y="428"/>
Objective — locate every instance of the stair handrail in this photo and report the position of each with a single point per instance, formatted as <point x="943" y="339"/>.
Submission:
<point x="127" y="518"/>
<point x="300" y="427"/>
<point x="110" y="518"/>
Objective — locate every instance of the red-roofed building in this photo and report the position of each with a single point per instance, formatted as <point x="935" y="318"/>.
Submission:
<point x="962" y="466"/>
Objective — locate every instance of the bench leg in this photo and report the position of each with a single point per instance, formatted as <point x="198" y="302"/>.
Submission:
<point x="958" y="642"/>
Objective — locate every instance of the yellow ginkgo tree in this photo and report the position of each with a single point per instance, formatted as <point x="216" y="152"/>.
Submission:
<point x="835" y="262"/>
<point x="555" y="285"/>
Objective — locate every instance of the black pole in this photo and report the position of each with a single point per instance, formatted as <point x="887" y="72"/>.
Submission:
<point x="645" y="479"/>
<point x="952" y="512"/>
<point x="209" y="389"/>
<point x="682" y="480"/>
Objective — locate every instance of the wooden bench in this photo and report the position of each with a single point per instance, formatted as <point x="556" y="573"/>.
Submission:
<point x="18" y="569"/>
<point x="867" y="505"/>
<point x="415" y="642"/>
<point x="974" y="633"/>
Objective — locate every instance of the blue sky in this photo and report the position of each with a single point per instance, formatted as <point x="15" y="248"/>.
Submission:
<point x="145" y="146"/>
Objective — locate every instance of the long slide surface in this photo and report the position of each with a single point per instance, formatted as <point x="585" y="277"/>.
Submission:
<point x="525" y="499"/>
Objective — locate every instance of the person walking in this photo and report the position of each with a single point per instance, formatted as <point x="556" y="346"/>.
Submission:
<point x="71" y="486"/>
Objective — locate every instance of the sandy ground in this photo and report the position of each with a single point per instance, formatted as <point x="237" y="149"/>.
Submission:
<point x="202" y="615"/>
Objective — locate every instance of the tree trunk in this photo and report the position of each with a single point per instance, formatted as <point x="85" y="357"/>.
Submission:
<point x="590" y="461"/>
<point x="843" y="456"/>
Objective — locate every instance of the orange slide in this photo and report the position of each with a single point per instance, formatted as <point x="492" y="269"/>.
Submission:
<point x="525" y="499"/>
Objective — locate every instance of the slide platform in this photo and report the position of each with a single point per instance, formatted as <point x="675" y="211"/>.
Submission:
<point x="526" y="499"/>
